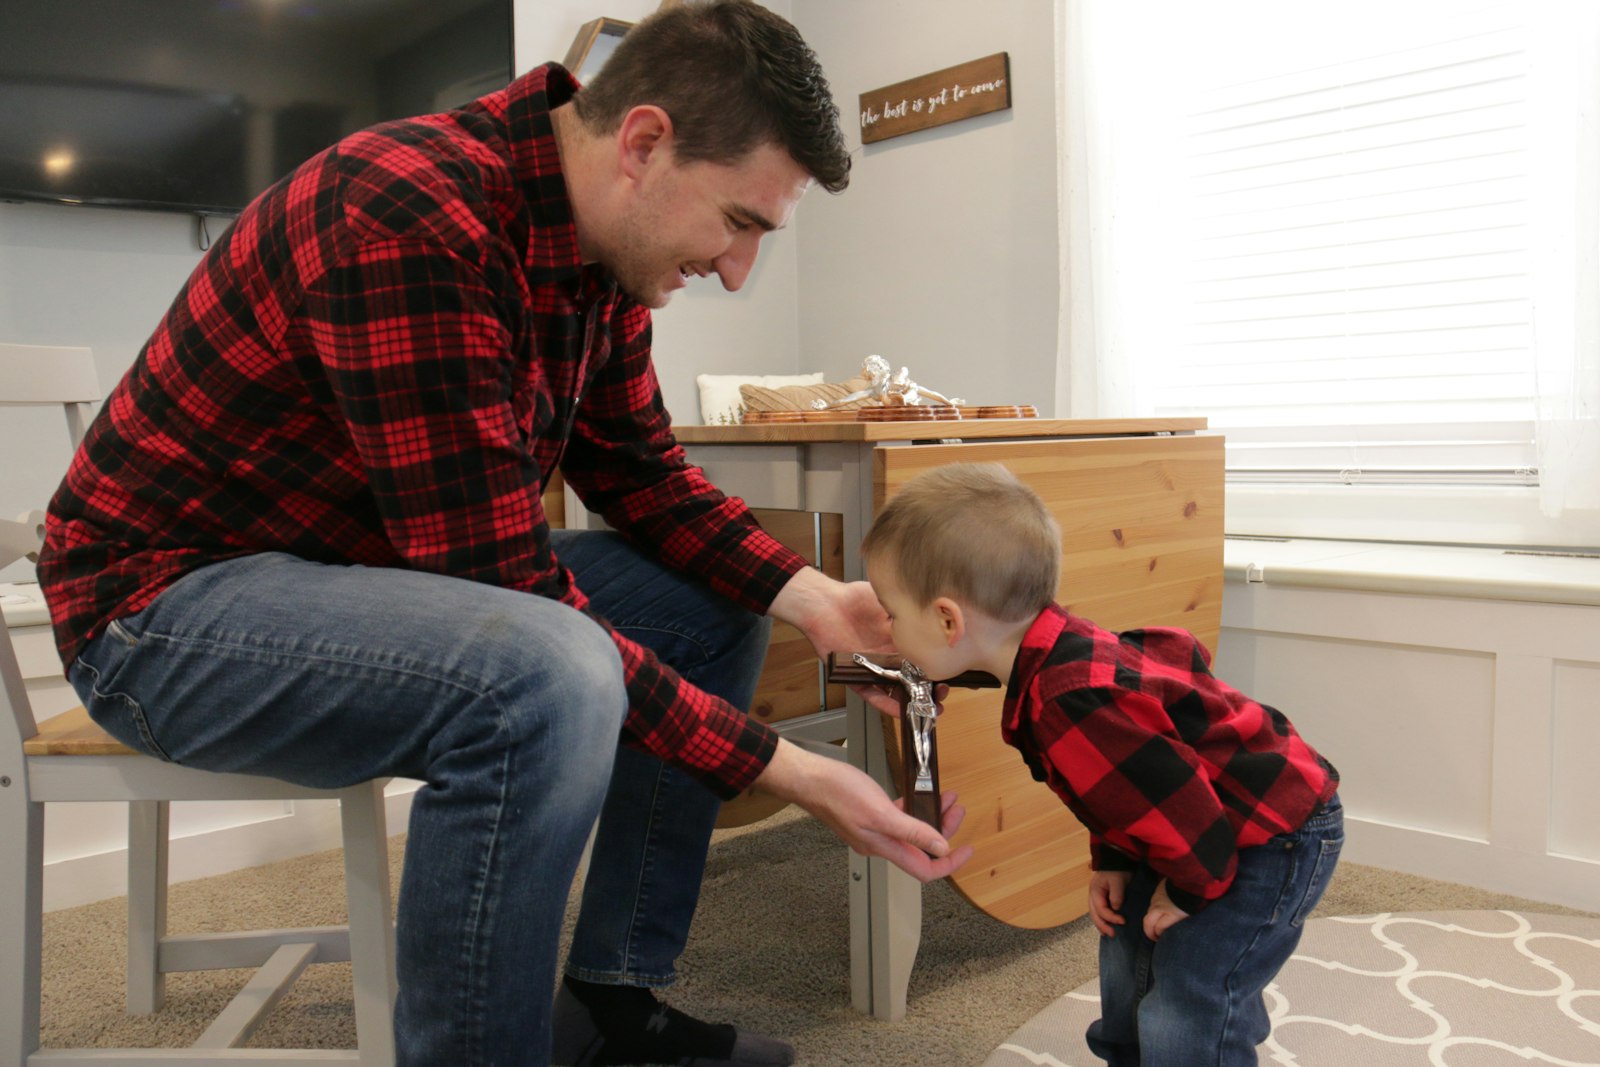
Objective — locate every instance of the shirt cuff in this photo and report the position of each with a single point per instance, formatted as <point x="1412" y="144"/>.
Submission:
<point x="1193" y="903"/>
<point x="1103" y="857"/>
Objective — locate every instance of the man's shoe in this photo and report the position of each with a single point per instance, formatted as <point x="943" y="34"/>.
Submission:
<point x="625" y="1026"/>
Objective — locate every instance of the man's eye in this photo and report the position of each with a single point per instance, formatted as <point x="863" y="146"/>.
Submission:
<point x="737" y="225"/>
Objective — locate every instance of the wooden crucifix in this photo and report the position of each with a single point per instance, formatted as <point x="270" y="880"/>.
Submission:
<point x="918" y="768"/>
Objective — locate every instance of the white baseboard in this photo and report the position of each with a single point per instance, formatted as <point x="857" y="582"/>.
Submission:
<point x="1566" y="880"/>
<point x="310" y="826"/>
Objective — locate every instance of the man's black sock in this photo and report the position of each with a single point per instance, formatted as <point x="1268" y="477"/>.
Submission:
<point x="634" y="1027"/>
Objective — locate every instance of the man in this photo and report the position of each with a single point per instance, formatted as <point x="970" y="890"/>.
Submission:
<point x="304" y="538"/>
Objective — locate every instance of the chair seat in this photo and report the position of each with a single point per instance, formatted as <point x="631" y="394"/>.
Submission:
<point x="73" y="733"/>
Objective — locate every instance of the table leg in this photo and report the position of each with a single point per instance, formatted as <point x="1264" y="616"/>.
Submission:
<point x="885" y="902"/>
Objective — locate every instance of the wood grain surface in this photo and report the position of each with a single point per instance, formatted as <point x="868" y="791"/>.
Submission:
<point x="73" y="733"/>
<point x="1141" y="524"/>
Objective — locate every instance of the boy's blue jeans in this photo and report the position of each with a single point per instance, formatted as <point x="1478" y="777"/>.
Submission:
<point x="507" y="706"/>
<point x="1194" y="998"/>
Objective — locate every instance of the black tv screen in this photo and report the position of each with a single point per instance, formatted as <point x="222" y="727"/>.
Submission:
<point x="199" y="105"/>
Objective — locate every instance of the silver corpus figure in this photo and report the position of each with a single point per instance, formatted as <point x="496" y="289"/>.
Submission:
<point x="889" y="390"/>
<point x="922" y="708"/>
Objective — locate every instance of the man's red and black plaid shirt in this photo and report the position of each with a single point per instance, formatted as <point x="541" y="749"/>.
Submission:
<point x="1164" y="764"/>
<point x="383" y="362"/>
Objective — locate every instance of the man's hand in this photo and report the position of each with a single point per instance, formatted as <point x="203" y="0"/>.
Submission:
<point x="853" y="806"/>
<point x="840" y="617"/>
<point x="1107" y="890"/>
<point x="1162" y="914"/>
<point x="835" y="616"/>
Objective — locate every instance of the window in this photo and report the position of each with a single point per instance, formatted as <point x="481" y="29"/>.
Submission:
<point x="1356" y="246"/>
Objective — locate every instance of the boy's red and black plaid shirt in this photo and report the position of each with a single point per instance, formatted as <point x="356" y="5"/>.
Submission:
<point x="383" y="362"/>
<point x="1163" y="763"/>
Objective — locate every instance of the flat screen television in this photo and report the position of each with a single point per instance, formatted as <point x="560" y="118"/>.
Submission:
<point x="199" y="105"/>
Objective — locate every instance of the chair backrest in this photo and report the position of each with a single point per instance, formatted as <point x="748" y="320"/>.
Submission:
<point x="17" y="539"/>
<point x="50" y="374"/>
<point x="35" y="375"/>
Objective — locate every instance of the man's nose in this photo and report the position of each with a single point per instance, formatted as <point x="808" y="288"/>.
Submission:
<point x="734" y="265"/>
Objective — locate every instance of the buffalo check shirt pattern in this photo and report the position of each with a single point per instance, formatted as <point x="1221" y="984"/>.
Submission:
<point x="1164" y="764"/>
<point x="383" y="362"/>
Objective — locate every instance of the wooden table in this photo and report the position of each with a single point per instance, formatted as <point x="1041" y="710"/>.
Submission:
<point x="1140" y="504"/>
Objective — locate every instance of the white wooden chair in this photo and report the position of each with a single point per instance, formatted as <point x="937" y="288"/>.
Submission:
<point x="68" y="758"/>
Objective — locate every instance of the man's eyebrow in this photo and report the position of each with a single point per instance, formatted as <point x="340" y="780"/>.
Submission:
<point x="755" y="218"/>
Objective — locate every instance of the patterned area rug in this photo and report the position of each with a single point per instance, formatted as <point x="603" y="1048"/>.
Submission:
<point x="1419" y="989"/>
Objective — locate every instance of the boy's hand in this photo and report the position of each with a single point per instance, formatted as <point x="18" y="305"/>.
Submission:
<point x="1162" y="914"/>
<point x="1106" y="891"/>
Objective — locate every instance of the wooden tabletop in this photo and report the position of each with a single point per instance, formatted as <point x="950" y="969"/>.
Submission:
<point x="929" y="430"/>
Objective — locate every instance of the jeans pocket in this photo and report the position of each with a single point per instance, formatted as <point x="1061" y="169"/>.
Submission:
<point x="1316" y="883"/>
<point x="95" y="675"/>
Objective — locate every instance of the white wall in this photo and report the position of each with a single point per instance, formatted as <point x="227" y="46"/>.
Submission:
<point x="942" y="254"/>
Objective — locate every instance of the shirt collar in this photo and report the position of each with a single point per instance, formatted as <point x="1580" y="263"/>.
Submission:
<point x="524" y="108"/>
<point x="1032" y="654"/>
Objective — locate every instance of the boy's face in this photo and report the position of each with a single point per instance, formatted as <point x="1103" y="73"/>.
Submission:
<point x="918" y="631"/>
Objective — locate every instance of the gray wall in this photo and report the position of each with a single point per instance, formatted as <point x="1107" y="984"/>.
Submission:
<point x="942" y="254"/>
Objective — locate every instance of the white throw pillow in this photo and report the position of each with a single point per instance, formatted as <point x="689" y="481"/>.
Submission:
<point x="719" y="393"/>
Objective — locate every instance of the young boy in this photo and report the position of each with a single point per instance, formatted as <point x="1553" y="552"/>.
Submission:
<point x="1214" y="827"/>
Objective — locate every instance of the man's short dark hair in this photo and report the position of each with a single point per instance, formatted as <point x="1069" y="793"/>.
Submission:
<point x="733" y="76"/>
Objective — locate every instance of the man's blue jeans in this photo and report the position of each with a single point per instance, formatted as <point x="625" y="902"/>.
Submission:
<point x="1194" y="998"/>
<point x="508" y="708"/>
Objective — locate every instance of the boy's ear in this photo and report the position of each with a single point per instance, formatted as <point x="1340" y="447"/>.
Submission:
<point x="952" y="621"/>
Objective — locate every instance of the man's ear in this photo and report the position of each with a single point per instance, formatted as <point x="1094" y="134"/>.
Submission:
<point x="645" y="131"/>
<point x="952" y="621"/>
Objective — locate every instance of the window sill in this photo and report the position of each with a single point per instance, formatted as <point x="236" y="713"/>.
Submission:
<point x="1424" y="570"/>
<point x="1425" y="515"/>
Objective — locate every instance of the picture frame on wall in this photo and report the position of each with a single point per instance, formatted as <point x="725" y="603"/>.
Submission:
<point x="593" y="46"/>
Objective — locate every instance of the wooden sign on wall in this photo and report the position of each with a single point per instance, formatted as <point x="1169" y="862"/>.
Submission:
<point x="960" y="92"/>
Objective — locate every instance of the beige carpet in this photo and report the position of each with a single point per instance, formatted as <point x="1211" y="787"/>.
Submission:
<point x="770" y="951"/>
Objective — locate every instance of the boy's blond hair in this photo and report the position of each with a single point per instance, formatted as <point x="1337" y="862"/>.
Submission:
<point x="974" y="532"/>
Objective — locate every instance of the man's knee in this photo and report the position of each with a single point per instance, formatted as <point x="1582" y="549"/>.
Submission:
<point x="585" y="671"/>
<point x="541" y="667"/>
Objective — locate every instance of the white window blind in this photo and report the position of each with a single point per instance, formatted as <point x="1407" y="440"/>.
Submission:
<point x="1351" y="272"/>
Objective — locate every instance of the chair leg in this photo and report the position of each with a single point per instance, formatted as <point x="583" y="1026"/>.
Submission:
<point x="148" y="822"/>
<point x="21" y="920"/>
<point x="372" y="944"/>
